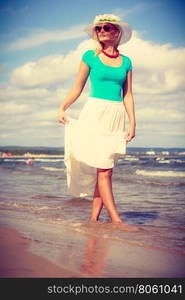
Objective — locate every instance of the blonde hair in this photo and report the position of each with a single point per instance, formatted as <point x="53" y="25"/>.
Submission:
<point x="99" y="47"/>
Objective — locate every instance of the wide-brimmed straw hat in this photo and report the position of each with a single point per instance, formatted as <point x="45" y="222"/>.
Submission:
<point x="109" y="18"/>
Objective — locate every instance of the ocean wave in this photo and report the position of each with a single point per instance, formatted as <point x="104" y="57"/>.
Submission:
<point x="163" y="161"/>
<point x="28" y="207"/>
<point x="24" y="159"/>
<point x="160" y="173"/>
<point x="131" y="158"/>
<point x="178" y="161"/>
<point x="150" y="152"/>
<point x="53" y="169"/>
<point x="165" y="152"/>
<point x="13" y="159"/>
<point x="49" y="160"/>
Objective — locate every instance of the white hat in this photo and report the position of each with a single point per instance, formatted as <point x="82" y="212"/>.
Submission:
<point x="109" y="18"/>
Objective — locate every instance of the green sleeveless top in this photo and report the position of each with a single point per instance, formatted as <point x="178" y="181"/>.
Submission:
<point x="106" y="82"/>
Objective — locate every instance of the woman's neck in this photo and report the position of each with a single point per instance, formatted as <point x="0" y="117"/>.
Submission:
<point x="109" y="49"/>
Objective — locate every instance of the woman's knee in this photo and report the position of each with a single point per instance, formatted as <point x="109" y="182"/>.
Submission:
<point x="104" y="173"/>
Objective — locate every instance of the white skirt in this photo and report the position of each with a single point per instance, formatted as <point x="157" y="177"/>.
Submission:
<point x="95" y="140"/>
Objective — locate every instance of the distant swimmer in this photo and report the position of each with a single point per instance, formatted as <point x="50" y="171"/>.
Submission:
<point x="29" y="161"/>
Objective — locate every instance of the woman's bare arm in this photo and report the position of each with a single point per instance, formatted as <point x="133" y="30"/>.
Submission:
<point x="75" y="92"/>
<point x="129" y="106"/>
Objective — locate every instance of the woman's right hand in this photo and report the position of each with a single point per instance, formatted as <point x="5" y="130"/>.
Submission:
<point x="62" y="118"/>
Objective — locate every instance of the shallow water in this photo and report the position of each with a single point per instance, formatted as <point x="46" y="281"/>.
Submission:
<point x="149" y="190"/>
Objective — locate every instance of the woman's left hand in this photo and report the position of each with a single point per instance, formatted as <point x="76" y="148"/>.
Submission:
<point x="130" y="134"/>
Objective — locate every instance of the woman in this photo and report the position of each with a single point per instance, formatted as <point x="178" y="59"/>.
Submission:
<point x="95" y="141"/>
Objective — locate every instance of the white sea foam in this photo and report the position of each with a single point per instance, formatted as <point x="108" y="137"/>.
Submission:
<point x="160" y="173"/>
<point x="53" y="169"/>
<point x="165" y="152"/>
<point x="181" y="153"/>
<point x="167" y="161"/>
<point x="14" y="159"/>
<point x="150" y="152"/>
<point x="131" y="158"/>
<point x="179" y="161"/>
<point x="162" y="160"/>
<point x="49" y="160"/>
<point x="36" y="159"/>
<point x="29" y="206"/>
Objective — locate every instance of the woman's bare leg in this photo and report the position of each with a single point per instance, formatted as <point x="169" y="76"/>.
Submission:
<point x="97" y="204"/>
<point x="104" y="179"/>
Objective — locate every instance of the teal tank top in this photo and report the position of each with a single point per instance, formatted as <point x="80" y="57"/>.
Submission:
<point x="106" y="82"/>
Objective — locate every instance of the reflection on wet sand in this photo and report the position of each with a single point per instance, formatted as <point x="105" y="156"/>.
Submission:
<point x="95" y="257"/>
<point x="104" y="250"/>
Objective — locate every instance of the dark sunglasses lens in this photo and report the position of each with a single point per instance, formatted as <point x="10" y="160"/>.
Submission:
<point x="98" y="28"/>
<point x="106" y="28"/>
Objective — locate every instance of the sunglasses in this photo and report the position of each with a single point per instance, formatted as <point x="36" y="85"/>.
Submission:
<point x="106" y="28"/>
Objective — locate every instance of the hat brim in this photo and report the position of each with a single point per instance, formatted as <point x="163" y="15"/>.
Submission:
<point x="124" y="27"/>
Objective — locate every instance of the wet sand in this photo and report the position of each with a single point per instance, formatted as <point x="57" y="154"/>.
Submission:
<point x="17" y="261"/>
<point x="85" y="256"/>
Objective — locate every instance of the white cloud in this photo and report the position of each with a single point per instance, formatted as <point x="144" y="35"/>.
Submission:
<point x="49" y="70"/>
<point x="48" y="115"/>
<point x="158" y="68"/>
<point x="160" y="115"/>
<point x="38" y="87"/>
<point x="44" y="123"/>
<point x="13" y="108"/>
<point x="13" y="92"/>
<point x="41" y="37"/>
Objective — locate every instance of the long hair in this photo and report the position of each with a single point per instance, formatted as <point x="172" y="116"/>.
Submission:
<point x="98" y="46"/>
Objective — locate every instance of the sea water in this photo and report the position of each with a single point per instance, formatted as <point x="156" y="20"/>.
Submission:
<point x="149" y="189"/>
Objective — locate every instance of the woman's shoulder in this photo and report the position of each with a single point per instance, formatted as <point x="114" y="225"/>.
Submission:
<point x="89" y="53"/>
<point x="126" y="58"/>
<point x="88" y="56"/>
<point x="127" y="63"/>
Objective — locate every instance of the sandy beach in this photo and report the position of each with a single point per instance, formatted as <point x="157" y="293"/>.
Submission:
<point x="86" y="257"/>
<point x="17" y="261"/>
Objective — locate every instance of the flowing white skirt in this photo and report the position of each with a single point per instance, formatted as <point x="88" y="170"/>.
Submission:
<point x="95" y="140"/>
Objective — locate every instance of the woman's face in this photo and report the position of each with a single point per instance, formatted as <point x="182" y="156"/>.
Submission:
<point x="106" y="32"/>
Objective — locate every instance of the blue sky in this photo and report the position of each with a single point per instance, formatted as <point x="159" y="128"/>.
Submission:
<point x="41" y="45"/>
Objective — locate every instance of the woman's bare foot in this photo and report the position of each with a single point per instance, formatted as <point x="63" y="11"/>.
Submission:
<point x="126" y="226"/>
<point x="129" y="227"/>
<point x="116" y="220"/>
<point x="93" y="220"/>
